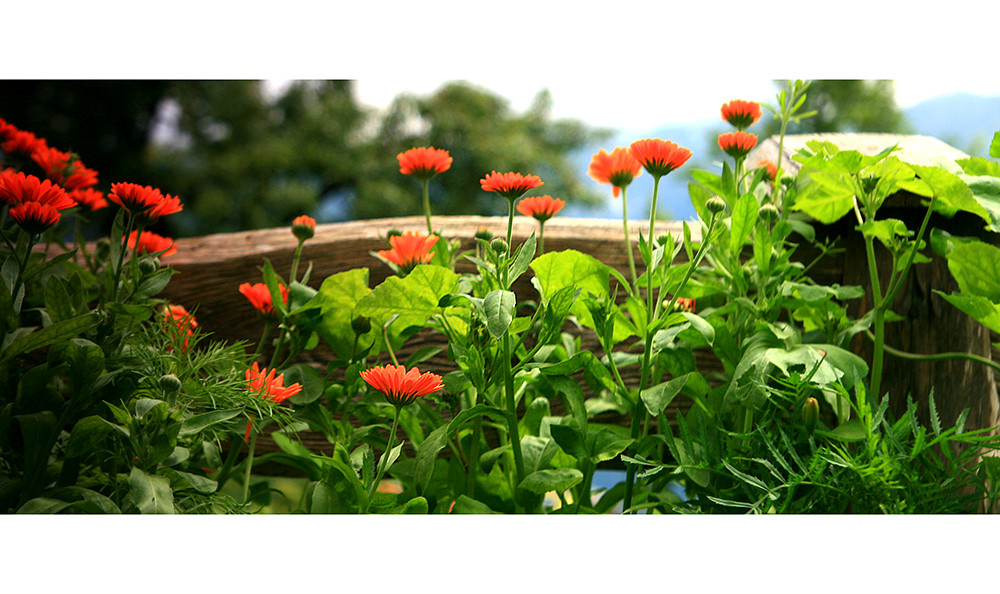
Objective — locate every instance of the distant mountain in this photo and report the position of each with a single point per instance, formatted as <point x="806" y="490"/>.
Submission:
<point x="966" y="122"/>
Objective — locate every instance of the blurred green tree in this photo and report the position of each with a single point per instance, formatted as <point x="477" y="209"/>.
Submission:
<point x="846" y="106"/>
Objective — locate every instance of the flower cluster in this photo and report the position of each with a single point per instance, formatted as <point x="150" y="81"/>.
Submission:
<point x="741" y="115"/>
<point x="34" y="204"/>
<point x="146" y="203"/>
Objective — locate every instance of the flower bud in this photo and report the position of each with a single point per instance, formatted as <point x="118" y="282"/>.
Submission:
<point x="393" y="233"/>
<point x="810" y="413"/>
<point x="170" y="383"/>
<point x="663" y="239"/>
<point x="484" y="234"/>
<point x="768" y="213"/>
<point x="304" y="227"/>
<point x="499" y="246"/>
<point x="715" y="205"/>
<point x="103" y="248"/>
<point x="148" y="266"/>
<point x="361" y="325"/>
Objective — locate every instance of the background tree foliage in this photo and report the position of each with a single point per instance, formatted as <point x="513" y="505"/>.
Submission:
<point x="847" y="106"/>
<point x="240" y="159"/>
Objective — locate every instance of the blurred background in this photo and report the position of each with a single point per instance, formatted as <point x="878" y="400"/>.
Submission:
<point x="248" y="154"/>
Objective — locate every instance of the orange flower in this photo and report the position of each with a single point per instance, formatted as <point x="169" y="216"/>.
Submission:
<point x="685" y="304"/>
<point x="303" y="227"/>
<point x="6" y="130"/>
<point x="268" y="386"/>
<point x="63" y="169"/>
<point x="409" y="249"/>
<point x="260" y="297"/>
<point x="89" y="197"/>
<point x="618" y="168"/>
<point x="741" y="114"/>
<point x="542" y="208"/>
<point x="659" y="157"/>
<point x="150" y="242"/>
<point x="145" y="202"/>
<point x="771" y="168"/>
<point x="34" y="217"/>
<point x="424" y="163"/>
<point x="400" y="386"/>
<point x="737" y="144"/>
<point x="18" y="188"/>
<point x="179" y="320"/>
<point x="510" y="185"/>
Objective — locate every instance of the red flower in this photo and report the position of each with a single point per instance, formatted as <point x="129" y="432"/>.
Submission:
<point x="542" y="208"/>
<point x="21" y="142"/>
<point x="175" y="316"/>
<point x="6" y="130"/>
<point x="659" y="157"/>
<point x="18" y="188"/>
<point x="150" y="242"/>
<point x="303" y="227"/>
<point x="34" y="217"/>
<point x="268" y="386"/>
<point x="64" y="170"/>
<point x="260" y="297"/>
<point x="618" y="169"/>
<point x="91" y="198"/>
<point x="400" y="386"/>
<point x="409" y="249"/>
<point x="737" y="144"/>
<point x="145" y="202"/>
<point x="741" y="114"/>
<point x="510" y="185"/>
<point x="424" y="163"/>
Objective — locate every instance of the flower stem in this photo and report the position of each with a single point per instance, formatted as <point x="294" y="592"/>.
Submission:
<point x="385" y="457"/>
<point x="541" y="238"/>
<point x="515" y="437"/>
<point x="295" y="261"/>
<point x="878" y="307"/>
<point x="121" y="257"/>
<point x="628" y="238"/>
<point x="249" y="463"/>
<point x="427" y="205"/>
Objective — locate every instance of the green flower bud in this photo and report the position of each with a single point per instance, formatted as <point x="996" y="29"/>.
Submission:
<point x="303" y="227"/>
<point x="484" y="234"/>
<point x="148" y="266"/>
<point x="663" y="239"/>
<point x="103" y="248"/>
<point x="170" y="383"/>
<point x="393" y="233"/>
<point x="499" y="246"/>
<point x="810" y="413"/>
<point x="715" y="205"/>
<point x="768" y="213"/>
<point x="361" y="325"/>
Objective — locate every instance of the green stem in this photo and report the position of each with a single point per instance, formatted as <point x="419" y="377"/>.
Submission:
<point x="541" y="238"/>
<point x="427" y="205"/>
<point x="510" y="228"/>
<point x="470" y="479"/>
<point x="263" y="338"/>
<point x="515" y="437"/>
<point x="235" y="445"/>
<point x="628" y="238"/>
<point x="878" y="307"/>
<point x="295" y="261"/>
<point x="935" y="356"/>
<point x="385" y="458"/>
<point x="121" y="257"/>
<point x="249" y="463"/>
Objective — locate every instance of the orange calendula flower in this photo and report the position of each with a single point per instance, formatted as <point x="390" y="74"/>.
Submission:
<point x="145" y="202"/>
<point x="303" y="227"/>
<point x="659" y="157"/>
<point x="22" y="142"/>
<point x="400" y="386"/>
<point x="510" y="185"/>
<point x="89" y="197"/>
<point x="269" y="386"/>
<point x="769" y="167"/>
<point x="35" y="217"/>
<point x="260" y="297"/>
<point x="741" y="114"/>
<point x="18" y="188"/>
<point x="685" y="304"/>
<point x="618" y="168"/>
<point x="64" y="170"/>
<point x="178" y="319"/>
<point x="409" y="249"/>
<point x="737" y="144"/>
<point x="150" y="242"/>
<point x="542" y="208"/>
<point x="424" y="163"/>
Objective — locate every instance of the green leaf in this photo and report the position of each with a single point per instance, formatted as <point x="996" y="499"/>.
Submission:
<point x="570" y="440"/>
<point x="198" y="423"/>
<point x="951" y="194"/>
<point x="57" y="332"/>
<point x="426" y="456"/>
<point x="273" y="282"/>
<point x="661" y="395"/>
<point x="824" y="195"/>
<point x="552" y="479"/>
<point x="336" y="300"/>
<point x="976" y="268"/>
<point x="499" y="307"/>
<point x="87" y="436"/>
<point x="154" y="284"/>
<point x="417" y="506"/>
<point x="38" y="432"/>
<point x="150" y="493"/>
<point x="476" y="411"/>
<point x="979" y="166"/>
<point x="414" y="299"/>
<point x="309" y="378"/>
<point x="995" y="146"/>
<point x="853" y="430"/>
<point x="467" y="505"/>
<point x="978" y="308"/>
<point x="743" y="221"/>
<point x="605" y="444"/>
<point x="524" y="257"/>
